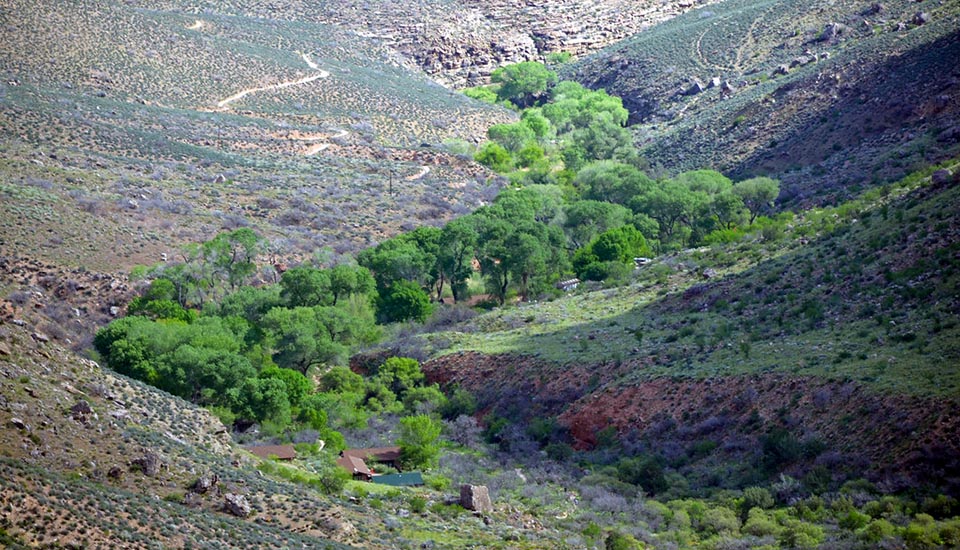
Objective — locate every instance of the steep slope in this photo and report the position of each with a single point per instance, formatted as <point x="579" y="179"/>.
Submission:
<point x="91" y="459"/>
<point x="849" y="321"/>
<point x="828" y="97"/>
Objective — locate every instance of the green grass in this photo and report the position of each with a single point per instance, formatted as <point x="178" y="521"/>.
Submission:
<point x="831" y="308"/>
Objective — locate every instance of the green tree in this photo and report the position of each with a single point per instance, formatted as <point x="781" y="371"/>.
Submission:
<point x="604" y="139"/>
<point x="301" y="337"/>
<point x="670" y="204"/>
<point x="297" y="385"/>
<point x="232" y="254"/>
<point x="757" y="194"/>
<point x="418" y="441"/>
<point x="481" y="93"/>
<point x="403" y="258"/>
<point x="526" y="256"/>
<point x="621" y="244"/>
<point x="586" y="219"/>
<point x="402" y="301"/>
<point x="341" y="379"/>
<point x="495" y="157"/>
<point x="305" y="286"/>
<point x="262" y="399"/>
<point x="346" y="280"/>
<point x="612" y="181"/>
<point x="534" y="119"/>
<point x="458" y="242"/>
<point x="400" y="374"/>
<point x="523" y="83"/>
<point x="513" y="137"/>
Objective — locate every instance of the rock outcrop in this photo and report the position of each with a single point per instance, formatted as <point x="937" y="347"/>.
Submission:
<point x="237" y="505"/>
<point x="476" y="498"/>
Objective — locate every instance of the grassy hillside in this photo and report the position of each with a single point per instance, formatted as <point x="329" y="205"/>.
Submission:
<point x="857" y="301"/>
<point x="828" y="97"/>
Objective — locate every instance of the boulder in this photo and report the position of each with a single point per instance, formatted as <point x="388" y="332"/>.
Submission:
<point x="236" y="505"/>
<point x="149" y="464"/>
<point x="920" y="18"/>
<point x="832" y="32"/>
<point x="18" y="423"/>
<point x="695" y="88"/>
<point x="81" y="410"/>
<point x="338" y="528"/>
<point x="205" y="482"/>
<point x="476" y="498"/>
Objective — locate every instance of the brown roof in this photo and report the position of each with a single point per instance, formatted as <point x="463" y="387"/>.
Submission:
<point x="376" y="454"/>
<point x="283" y="452"/>
<point x="354" y="465"/>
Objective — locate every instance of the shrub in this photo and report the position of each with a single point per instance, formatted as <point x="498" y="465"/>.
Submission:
<point x="645" y="471"/>
<point x="755" y="497"/>
<point x="437" y="482"/>
<point x="418" y="504"/>
<point x="760" y="524"/>
<point x="940" y="507"/>
<point x="922" y="532"/>
<point x="799" y="534"/>
<point x="621" y="541"/>
<point x="719" y="521"/>
<point x="876" y="531"/>
<point x="854" y="520"/>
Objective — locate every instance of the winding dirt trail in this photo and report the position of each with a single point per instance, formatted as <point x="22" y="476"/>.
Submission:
<point x="424" y="170"/>
<point x="290" y="83"/>
<point x="318" y="147"/>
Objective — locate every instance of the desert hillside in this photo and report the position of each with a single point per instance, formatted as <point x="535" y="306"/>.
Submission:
<point x="453" y="274"/>
<point x="829" y="98"/>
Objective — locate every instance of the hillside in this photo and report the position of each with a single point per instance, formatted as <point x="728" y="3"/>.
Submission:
<point x="460" y="42"/>
<point x="252" y="199"/>
<point x="849" y="320"/>
<point x="96" y="459"/>
<point x="170" y="126"/>
<point x="131" y="131"/>
<point x="830" y="97"/>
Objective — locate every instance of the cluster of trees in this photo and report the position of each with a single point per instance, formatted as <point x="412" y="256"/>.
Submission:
<point x="250" y="359"/>
<point x="535" y="235"/>
<point x="571" y="143"/>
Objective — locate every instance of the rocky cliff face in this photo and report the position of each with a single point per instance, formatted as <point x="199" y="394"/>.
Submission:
<point x="460" y="43"/>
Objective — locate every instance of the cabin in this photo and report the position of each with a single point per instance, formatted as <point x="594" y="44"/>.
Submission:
<point x="280" y="452"/>
<point x="356" y="461"/>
